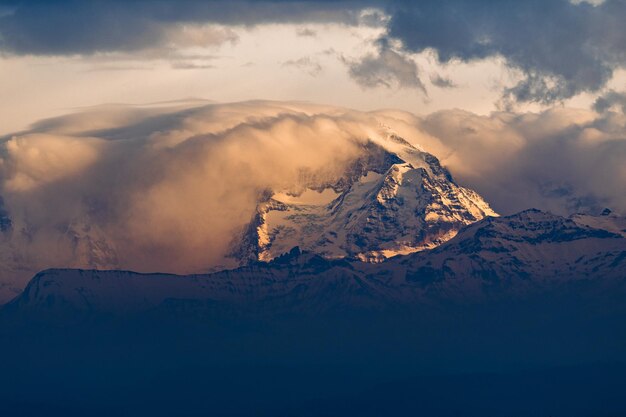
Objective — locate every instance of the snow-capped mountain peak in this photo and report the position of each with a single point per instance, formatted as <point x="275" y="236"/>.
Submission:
<point x="396" y="199"/>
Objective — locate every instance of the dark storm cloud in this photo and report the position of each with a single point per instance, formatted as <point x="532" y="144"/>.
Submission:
<point x="85" y="27"/>
<point x="560" y="47"/>
<point x="609" y="100"/>
<point x="387" y="67"/>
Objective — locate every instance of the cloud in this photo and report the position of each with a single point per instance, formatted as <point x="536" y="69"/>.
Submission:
<point x="562" y="160"/>
<point x="159" y="188"/>
<point x="560" y="48"/>
<point x="167" y="187"/>
<point x="34" y="160"/>
<point x="190" y="65"/>
<point x="107" y="68"/>
<point x="66" y="27"/>
<point x="306" y="33"/>
<point x="307" y="64"/>
<point x="442" y="82"/>
<point x="609" y="100"/>
<point x="386" y="68"/>
<point x="198" y="35"/>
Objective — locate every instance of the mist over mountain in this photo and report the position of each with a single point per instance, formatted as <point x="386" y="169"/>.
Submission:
<point x="179" y="187"/>
<point x="199" y="251"/>
<point x="184" y="232"/>
<point x="395" y="200"/>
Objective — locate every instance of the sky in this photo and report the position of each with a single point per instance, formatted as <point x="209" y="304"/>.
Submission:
<point x="419" y="56"/>
<point x="141" y="133"/>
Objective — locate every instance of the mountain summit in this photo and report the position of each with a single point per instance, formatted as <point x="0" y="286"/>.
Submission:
<point x="395" y="199"/>
<point x="371" y="195"/>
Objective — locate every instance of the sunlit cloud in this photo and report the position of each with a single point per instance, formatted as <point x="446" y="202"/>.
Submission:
<point x="168" y="187"/>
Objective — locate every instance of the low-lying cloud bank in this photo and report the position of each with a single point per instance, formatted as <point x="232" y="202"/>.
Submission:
<point x="167" y="188"/>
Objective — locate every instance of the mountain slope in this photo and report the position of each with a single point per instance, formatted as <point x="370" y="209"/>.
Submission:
<point x="509" y="256"/>
<point x="526" y="251"/>
<point x="607" y="221"/>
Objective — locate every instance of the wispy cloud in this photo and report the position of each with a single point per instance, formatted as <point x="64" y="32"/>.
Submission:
<point x="442" y="82"/>
<point x="306" y="32"/>
<point x="307" y="64"/>
<point x="386" y="68"/>
<point x="190" y="65"/>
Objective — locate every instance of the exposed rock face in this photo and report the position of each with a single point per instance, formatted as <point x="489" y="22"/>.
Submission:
<point x="395" y="200"/>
